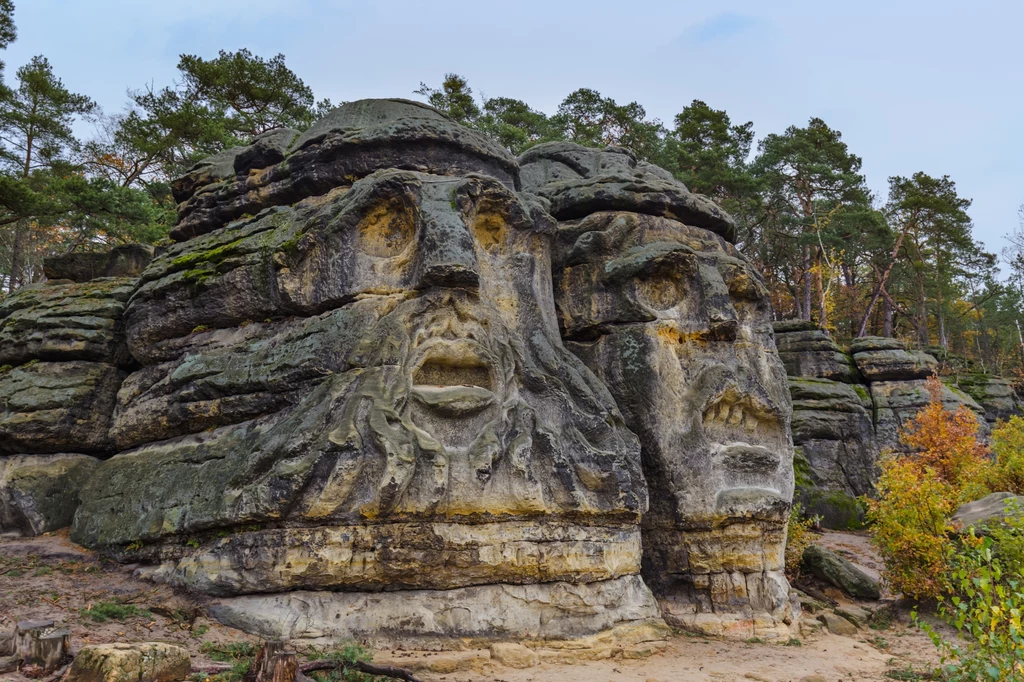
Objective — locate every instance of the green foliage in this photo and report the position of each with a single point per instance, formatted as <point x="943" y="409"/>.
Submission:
<point x="239" y="654"/>
<point x="104" y="611"/>
<point x="344" y="652"/>
<point x="984" y="602"/>
<point x="1008" y="447"/>
<point x="798" y="538"/>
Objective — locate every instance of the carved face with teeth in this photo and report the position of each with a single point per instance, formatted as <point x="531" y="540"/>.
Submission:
<point x="678" y="325"/>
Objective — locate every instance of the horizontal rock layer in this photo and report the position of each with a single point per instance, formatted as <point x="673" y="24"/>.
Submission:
<point x="426" y="619"/>
<point x="407" y="556"/>
<point x="39" y="493"/>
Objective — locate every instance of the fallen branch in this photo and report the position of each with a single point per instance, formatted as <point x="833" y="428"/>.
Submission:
<point x="368" y="668"/>
<point x="58" y="674"/>
<point x="211" y="668"/>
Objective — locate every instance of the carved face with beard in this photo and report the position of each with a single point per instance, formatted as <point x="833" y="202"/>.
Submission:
<point x="430" y="408"/>
<point x="678" y="325"/>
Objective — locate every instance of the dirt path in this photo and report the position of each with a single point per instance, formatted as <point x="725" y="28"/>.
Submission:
<point x="50" y="578"/>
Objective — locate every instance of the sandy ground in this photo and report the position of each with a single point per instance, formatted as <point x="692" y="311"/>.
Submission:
<point x="50" y="578"/>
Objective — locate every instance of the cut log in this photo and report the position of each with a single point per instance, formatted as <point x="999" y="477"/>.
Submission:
<point x="273" y="664"/>
<point x="42" y="643"/>
<point x="368" y="668"/>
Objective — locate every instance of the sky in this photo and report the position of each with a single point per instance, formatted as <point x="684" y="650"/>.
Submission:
<point x="922" y="85"/>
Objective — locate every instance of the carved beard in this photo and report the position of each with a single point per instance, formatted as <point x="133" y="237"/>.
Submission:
<point x="444" y="431"/>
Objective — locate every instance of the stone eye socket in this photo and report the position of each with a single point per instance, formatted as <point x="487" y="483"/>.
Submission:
<point x="661" y="291"/>
<point x="489" y="229"/>
<point x="386" y="229"/>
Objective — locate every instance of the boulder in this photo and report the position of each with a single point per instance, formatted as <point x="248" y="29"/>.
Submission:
<point x="514" y="655"/>
<point x="893" y="364"/>
<point x="835" y="570"/>
<point x="837" y="625"/>
<point x="128" y="260"/>
<point x="39" y="493"/>
<point x="990" y="509"/>
<point x="137" y="662"/>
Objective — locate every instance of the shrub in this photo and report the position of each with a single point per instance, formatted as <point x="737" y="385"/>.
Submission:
<point x="985" y="602"/>
<point x="911" y="525"/>
<point x="918" y="493"/>
<point x="1008" y="446"/>
<point x="798" y="537"/>
<point x="103" y="611"/>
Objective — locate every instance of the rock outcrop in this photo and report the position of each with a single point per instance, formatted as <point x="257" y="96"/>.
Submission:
<point x="677" y="325"/>
<point x="847" y="409"/>
<point x="342" y="404"/>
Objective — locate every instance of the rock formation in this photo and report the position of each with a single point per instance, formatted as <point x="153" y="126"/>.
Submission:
<point x="677" y="324"/>
<point x="848" y="408"/>
<point x="341" y="402"/>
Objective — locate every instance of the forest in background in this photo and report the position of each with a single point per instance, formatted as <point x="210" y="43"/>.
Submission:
<point x="906" y="264"/>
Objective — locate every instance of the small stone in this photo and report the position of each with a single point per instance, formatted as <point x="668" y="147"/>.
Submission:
<point x="809" y="626"/>
<point x="139" y="662"/>
<point x="855" y="614"/>
<point x="514" y="655"/>
<point x="837" y="625"/>
<point x="812" y="678"/>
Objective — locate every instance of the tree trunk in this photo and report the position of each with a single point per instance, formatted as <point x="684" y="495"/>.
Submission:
<point x="922" y="313"/>
<point x="17" y="256"/>
<point x="886" y="318"/>
<point x="42" y="644"/>
<point x="807" y="283"/>
<point x="943" y="341"/>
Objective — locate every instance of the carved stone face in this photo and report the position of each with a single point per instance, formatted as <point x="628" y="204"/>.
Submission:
<point x="679" y="326"/>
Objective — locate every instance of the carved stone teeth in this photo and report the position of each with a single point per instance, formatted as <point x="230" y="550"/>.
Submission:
<point x="750" y="423"/>
<point x="723" y="411"/>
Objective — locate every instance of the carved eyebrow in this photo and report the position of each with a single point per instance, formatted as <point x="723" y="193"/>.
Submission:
<point x="649" y="258"/>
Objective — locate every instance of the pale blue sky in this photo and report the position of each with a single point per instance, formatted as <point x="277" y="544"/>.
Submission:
<point x="931" y="85"/>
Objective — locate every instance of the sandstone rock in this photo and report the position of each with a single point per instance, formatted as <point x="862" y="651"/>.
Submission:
<point x="51" y="407"/>
<point x="59" y="321"/>
<point x="140" y="662"/>
<point x="127" y="260"/>
<point x="896" y="402"/>
<point x="810" y="626"/>
<point x="812" y="353"/>
<point x="855" y="614"/>
<point x="994" y="394"/>
<point x="654" y="301"/>
<point x="39" y="493"/>
<point x="833" y="432"/>
<point x="435" y="618"/>
<point x="514" y="655"/>
<point x="578" y="181"/>
<point x="350" y="143"/>
<point x="834" y="569"/>
<point x="988" y="510"/>
<point x="882" y="359"/>
<point x="837" y="625"/>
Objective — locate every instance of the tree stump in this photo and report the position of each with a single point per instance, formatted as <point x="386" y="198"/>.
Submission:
<point x="41" y="643"/>
<point x="273" y="664"/>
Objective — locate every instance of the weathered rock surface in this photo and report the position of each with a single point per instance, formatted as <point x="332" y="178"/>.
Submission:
<point x="884" y="359"/>
<point x="39" y="493"/>
<point x="350" y="143"/>
<point x="127" y="261"/>
<point x="429" y="619"/>
<point x="579" y="181"/>
<point x="988" y="510"/>
<point x="50" y="407"/>
<point x="896" y="402"/>
<point x="136" y="662"/>
<point x="61" y="321"/>
<point x="677" y="324"/>
<point x="835" y="570"/>
<point x="837" y="625"/>
<point x="813" y="353"/>
<point x="994" y="394"/>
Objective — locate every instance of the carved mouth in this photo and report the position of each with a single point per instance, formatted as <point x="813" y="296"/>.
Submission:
<point x="734" y="416"/>
<point x="751" y="501"/>
<point x="453" y="378"/>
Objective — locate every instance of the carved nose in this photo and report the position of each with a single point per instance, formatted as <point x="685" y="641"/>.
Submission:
<point x="723" y="323"/>
<point x="447" y="253"/>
